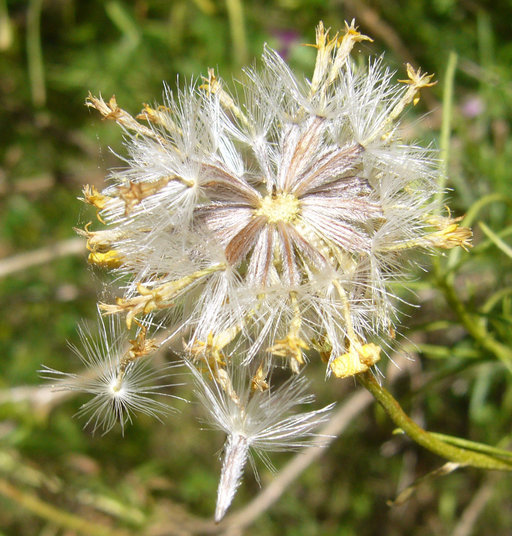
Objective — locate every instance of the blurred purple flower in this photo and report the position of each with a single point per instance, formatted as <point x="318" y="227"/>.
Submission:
<point x="472" y="106"/>
<point x="285" y="40"/>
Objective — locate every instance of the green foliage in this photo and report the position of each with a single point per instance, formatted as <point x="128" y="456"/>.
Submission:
<point x="51" y="54"/>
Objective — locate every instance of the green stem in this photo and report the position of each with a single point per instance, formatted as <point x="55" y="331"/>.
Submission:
<point x="474" y="327"/>
<point x="447" y="123"/>
<point x="47" y="511"/>
<point x="35" y="53"/>
<point x="424" y="438"/>
<point x="236" y="23"/>
<point x="473" y="445"/>
<point x="496" y="240"/>
<point x="446" y="129"/>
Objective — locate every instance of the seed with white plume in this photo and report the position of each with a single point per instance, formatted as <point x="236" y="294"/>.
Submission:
<point x="254" y="420"/>
<point x="121" y="381"/>
<point x="273" y="225"/>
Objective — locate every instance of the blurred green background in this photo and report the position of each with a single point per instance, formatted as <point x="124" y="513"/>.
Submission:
<point x="160" y="479"/>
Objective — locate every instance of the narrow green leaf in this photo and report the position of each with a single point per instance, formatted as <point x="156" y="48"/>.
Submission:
<point x="497" y="241"/>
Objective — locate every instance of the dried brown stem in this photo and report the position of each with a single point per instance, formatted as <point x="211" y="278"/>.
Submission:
<point x="59" y="517"/>
<point x="466" y="524"/>
<point x="16" y="263"/>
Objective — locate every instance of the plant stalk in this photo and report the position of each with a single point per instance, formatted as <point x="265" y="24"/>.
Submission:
<point x="425" y="439"/>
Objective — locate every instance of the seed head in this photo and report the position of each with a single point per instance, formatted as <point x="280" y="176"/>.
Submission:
<point x="276" y="223"/>
<point x="257" y="226"/>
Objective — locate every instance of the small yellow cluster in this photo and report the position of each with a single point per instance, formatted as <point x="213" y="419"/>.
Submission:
<point x="359" y="358"/>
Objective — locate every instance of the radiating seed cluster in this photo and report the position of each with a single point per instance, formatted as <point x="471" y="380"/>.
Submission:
<point x="265" y="226"/>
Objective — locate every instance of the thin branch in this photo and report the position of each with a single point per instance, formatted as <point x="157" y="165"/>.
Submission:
<point x="51" y="513"/>
<point x="30" y="185"/>
<point x="41" y="399"/>
<point x="16" y="263"/>
<point x="462" y="456"/>
<point x="476" y="506"/>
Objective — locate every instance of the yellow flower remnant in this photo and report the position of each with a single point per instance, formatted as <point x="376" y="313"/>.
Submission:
<point x="213" y="85"/>
<point x="95" y="198"/>
<point x="449" y="234"/>
<point x="134" y="192"/>
<point x="359" y="358"/>
<point x="160" y="297"/>
<point x="110" y="110"/>
<point x="222" y="377"/>
<point x="153" y="115"/>
<point x="292" y="345"/>
<point x="326" y="68"/>
<point x="211" y="350"/>
<point x="139" y="347"/>
<point x="259" y="380"/>
<point x="417" y="80"/>
<point x="99" y="243"/>
<point x="345" y="45"/>
<point x="99" y="240"/>
<point x="106" y="259"/>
